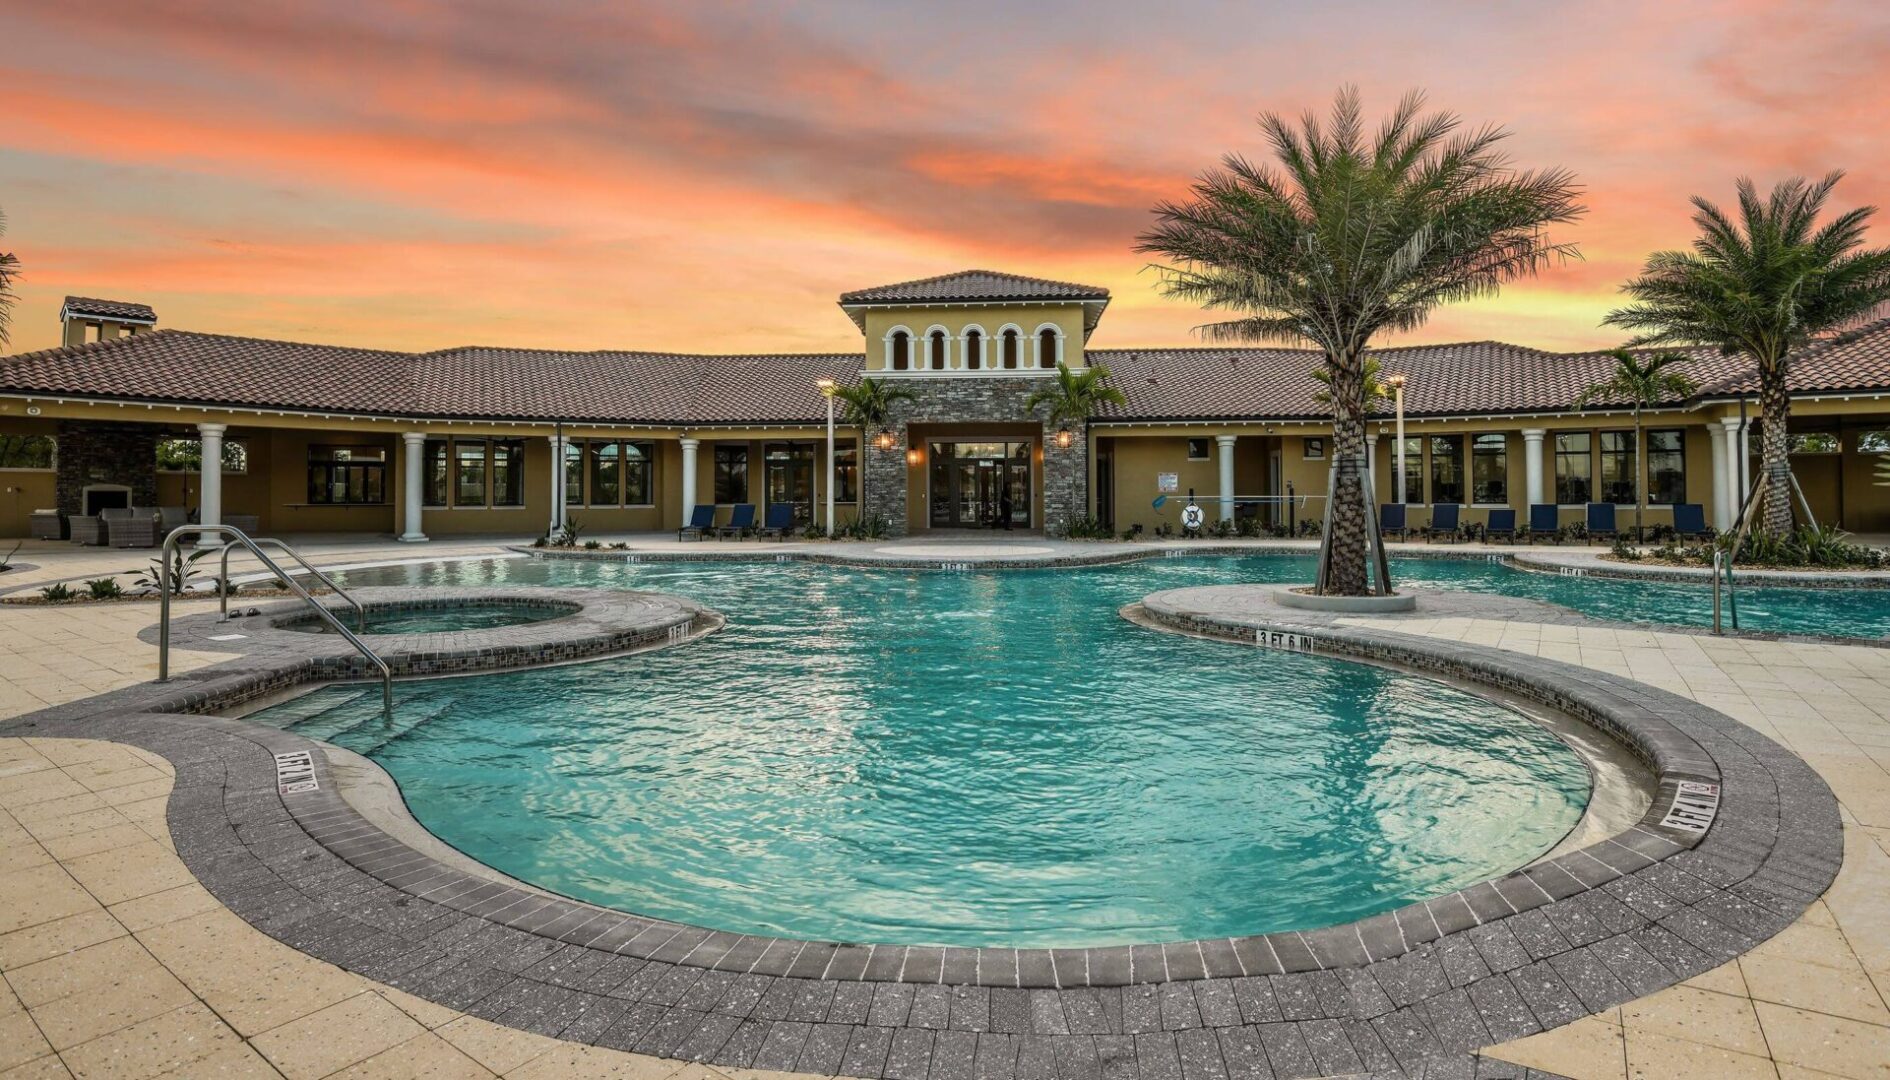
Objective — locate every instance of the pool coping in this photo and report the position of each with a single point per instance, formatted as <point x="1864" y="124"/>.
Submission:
<point x="1522" y="953"/>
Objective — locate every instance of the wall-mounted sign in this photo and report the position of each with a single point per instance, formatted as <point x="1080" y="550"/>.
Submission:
<point x="1168" y="482"/>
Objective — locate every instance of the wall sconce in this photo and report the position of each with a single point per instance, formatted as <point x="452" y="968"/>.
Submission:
<point x="1064" y="438"/>
<point x="913" y="456"/>
<point x="883" y="441"/>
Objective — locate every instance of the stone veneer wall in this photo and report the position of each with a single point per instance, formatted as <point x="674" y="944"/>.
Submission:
<point x="95" y="453"/>
<point x="971" y="399"/>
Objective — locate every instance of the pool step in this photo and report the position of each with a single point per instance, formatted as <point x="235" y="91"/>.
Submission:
<point x="343" y="713"/>
<point x="404" y="723"/>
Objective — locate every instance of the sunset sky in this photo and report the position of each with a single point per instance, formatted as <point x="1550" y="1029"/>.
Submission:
<point x="695" y="176"/>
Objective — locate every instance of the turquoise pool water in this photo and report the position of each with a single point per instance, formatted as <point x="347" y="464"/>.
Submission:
<point x="970" y="758"/>
<point x="435" y="620"/>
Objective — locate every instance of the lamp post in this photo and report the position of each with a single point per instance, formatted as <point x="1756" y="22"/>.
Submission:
<point x="826" y="391"/>
<point x="1396" y="381"/>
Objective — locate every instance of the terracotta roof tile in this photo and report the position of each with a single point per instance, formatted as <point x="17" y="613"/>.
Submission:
<point x="109" y="309"/>
<point x="973" y="285"/>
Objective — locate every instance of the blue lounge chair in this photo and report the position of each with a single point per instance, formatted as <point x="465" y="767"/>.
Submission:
<point x="701" y="520"/>
<point x="1502" y="525"/>
<point x="1689" y="522"/>
<point x="1391" y="520"/>
<point x="740" y="520"/>
<point x="1545" y="519"/>
<point x="780" y="519"/>
<point x="1443" y="520"/>
<point x="1601" y="521"/>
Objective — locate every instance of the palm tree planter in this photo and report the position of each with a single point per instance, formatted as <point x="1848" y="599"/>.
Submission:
<point x="868" y="406"/>
<point x="1351" y="236"/>
<point x="1643" y="384"/>
<point x="1763" y="288"/>
<point x="1070" y="402"/>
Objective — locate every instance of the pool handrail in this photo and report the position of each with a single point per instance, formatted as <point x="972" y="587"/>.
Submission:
<point x="167" y="559"/>
<point x="223" y="578"/>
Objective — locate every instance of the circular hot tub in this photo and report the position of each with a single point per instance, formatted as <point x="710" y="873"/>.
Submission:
<point x="433" y="618"/>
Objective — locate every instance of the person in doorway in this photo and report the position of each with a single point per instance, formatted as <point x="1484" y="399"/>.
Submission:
<point x="1004" y="510"/>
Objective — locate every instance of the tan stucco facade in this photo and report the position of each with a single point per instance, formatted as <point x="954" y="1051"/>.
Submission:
<point x="990" y="321"/>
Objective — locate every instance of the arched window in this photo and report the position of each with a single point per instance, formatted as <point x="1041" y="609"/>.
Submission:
<point x="1010" y="350"/>
<point x="939" y="340"/>
<point x="900" y="356"/>
<point x="974" y="349"/>
<point x="1047" y="347"/>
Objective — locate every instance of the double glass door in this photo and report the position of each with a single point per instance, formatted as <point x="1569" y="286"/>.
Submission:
<point x="980" y="485"/>
<point x="791" y="479"/>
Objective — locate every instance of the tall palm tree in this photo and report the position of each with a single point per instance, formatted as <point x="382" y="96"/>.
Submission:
<point x="1348" y="235"/>
<point x="1642" y="384"/>
<point x="1371" y="379"/>
<point x="1762" y="287"/>
<point x="868" y="405"/>
<point x="1070" y="401"/>
<point x="9" y="273"/>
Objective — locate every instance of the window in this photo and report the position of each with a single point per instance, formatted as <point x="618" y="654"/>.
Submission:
<point x="508" y="472"/>
<point x="1667" y="467"/>
<point x="1814" y="442"/>
<point x="347" y="475"/>
<point x="1198" y="449"/>
<point x="1010" y="350"/>
<point x="939" y="351"/>
<point x="1873" y="442"/>
<point x="185" y="454"/>
<point x="846" y="471"/>
<point x="1489" y="470"/>
<point x="1617" y="467"/>
<point x="605" y="486"/>
<point x="1313" y="449"/>
<point x="573" y="473"/>
<point x="469" y="472"/>
<point x="1574" y="468"/>
<point x="26" y="452"/>
<point x="901" y="350"/>
<point x="1413" y="469"/>
<point x="790" y="472"/>
<point x="434" y="472"/>
<point x="974" y="350"/>
<point x="731" y="474"/>
<point x="637" y="465"/>
<point x="1047" y="347"/>
<point x="1446" y="468"/>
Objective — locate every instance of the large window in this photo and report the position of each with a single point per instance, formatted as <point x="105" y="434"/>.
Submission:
<point x="1873" y="442"/>
<point x="731" y="474"/>
<point x="1413" y="469"/>
<point x="185" y="454"/>
<point x="1814" y="442"/>
<point x="974" y="350"/>
<point x="347" y="475"/>
<point x="469" y="472"/>
<point x="1489" y="470"/>
<point x="791" y="478"/>
<point x="1574" y="468"/>
<point x="939" y="348"/>
<point x="599" y="473"/>
<point x="1666" y="467"/>
<point x="508" y="472"/>
<point x="846" y="471"/>
<point x="1047" y="348"/>
<point x="1446" y="469"/>
<point x="1010" y="349"/>
<point x="473" y="473"/>
<point x="901" y="350"/>
<point x="605" y="487"/>
<point x="435" y="473"/>
<point x="1617" y="467"/>
<point x="26" y="452"/>
<point x="574" y="472"/>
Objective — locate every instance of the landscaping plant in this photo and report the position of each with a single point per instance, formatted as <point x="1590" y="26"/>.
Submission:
<point x="105" y="588"/>
<point x="183" y="572"/>
<point x="1642" y="383"/>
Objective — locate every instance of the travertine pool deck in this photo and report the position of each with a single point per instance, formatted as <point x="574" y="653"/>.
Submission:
<point x="1829" y="1018"/>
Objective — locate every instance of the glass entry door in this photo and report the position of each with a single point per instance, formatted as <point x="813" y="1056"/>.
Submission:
<point x="791" y="479"/>
<point x="980" y="485"/>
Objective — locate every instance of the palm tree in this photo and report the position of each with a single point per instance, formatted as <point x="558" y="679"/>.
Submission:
<point x="1762" y="287"/>
<point x="868" y="405"/>
<point x="1348" y="236"/>
<point x="9" y="272"/>
<point x="1642" y="384"/>
<point x="1070" y="402"/>
<point x="1374" y="388"/>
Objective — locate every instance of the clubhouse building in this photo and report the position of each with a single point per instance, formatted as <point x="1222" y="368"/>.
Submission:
<point x="321" y="439"/>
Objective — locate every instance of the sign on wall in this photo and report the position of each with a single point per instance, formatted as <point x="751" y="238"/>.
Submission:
<point x="1168" y="482"/>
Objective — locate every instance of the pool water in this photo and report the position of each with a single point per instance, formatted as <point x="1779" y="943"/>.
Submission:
<point x="434" y="620"/>
<point x="974" y="758"/>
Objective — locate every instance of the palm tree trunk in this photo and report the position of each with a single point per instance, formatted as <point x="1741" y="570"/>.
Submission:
<point x="1345" y="547"/>
<point x="1775" y="406"/>
<point x="1640" y="474"/>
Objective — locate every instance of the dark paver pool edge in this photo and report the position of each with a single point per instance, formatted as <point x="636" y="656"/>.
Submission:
<point x="1411" y="992"/>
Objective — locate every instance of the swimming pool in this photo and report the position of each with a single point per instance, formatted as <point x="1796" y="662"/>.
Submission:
<point x="420" y="619"/>
<point x="976" y="758"/>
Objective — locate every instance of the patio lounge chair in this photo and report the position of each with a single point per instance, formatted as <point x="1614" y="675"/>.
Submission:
<point x="701" y="521"/>
<point x="1443" y="520"/>
<point x="1501" y="526"/>
<point x="1689" y="522"/>
<point x="139" y="529"/>
<point x="740" y="520"/>
<point x="1545" y="519"/>
<point x="1601" y="521"/>
<point x="1391" y="520"/>
<point x="779" y="521"/>
<point x="88" y="530"/>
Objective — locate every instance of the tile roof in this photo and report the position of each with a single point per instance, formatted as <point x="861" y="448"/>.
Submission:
<point x="973" y="285"/>
<point x="109" y="309"/>
<point x="1472" y="378"/>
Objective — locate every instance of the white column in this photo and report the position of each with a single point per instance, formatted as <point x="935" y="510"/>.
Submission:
<point x="1745" y="462"/>
<point x="832" y="466"/>
<point x="557" y="444"/>
<point x="210" y="481"/>
<point x="689" y="477"/>
<point x="413" y="450"/>
<point x="1731" y="482"/>
<point x="1370" y="479"/>
<point x="1532" y="465"/>
<point x="1224" y="448"/>
<point x="1721" y="513"/>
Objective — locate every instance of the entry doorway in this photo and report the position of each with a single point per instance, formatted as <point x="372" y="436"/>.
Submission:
<point x="980" y="485"/>
<point x="791" y="479"/>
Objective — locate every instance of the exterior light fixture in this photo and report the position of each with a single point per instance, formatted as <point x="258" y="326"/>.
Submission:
<point x="1064" y="438"/>
<point x="884" y="440"/>
<point x="912" y="456"/>
<point x="826" y="387"/>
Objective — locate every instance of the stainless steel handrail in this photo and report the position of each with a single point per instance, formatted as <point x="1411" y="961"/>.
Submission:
<point x="223" y="578"/>
<point x="167" y="558"/>
<point x="1716" y="560"/>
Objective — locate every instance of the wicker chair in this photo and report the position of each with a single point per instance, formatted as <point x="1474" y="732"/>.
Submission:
<point x="89" y="531"/>
<point x="138" y="529"/>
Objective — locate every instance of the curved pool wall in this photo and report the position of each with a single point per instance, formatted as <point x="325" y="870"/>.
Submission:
<point x="432" y="616"/>
<point x="979" y="759"/>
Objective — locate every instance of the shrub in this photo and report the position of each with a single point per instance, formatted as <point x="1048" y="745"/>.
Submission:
<point x="1247" y="526"/>
<point x="568" y="535"/>
<point x="105" y="588"/>
<point x="1624" y="550"/>
<point x="183" y="571"/>
<point x="1088" y="528"/>
<point x="56" y="592"/>
<point x="541" y="542"/>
